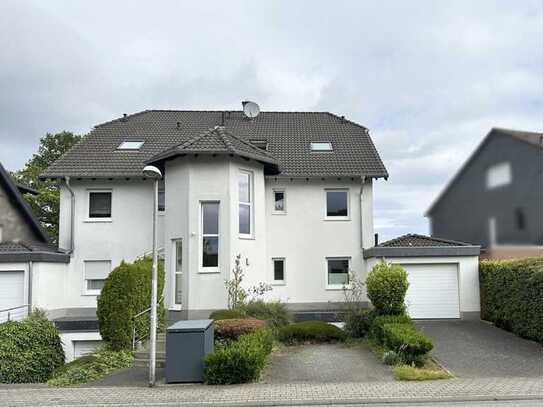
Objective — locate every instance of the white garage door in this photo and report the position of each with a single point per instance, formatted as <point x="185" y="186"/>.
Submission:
<point x="433" y="291"/>
<point x="82" y="348"/>
<point x="12" y="292"/>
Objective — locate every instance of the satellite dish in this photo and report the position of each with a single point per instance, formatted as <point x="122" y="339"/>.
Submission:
<point x="250" y="109"/>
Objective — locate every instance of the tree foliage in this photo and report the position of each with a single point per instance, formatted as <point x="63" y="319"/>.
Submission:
<point x="45" y="205"/>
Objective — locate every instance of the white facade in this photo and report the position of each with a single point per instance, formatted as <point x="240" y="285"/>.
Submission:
<point x="302" y="235"/>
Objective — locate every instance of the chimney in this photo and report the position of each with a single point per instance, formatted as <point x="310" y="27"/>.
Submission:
<point x="178" y="125"/>
<point x="124" y="117"/>
<point x="376" y="236"/>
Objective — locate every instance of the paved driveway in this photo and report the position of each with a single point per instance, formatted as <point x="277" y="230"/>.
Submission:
<point x="326" y="363"/>
<point x="473" y="349"/>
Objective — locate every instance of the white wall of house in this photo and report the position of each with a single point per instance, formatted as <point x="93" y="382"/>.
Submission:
<point x="69" y="340"/>
<point x="305" y="238"/>
<point x="468" y="276"/>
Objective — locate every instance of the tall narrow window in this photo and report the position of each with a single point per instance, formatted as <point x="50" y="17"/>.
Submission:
<point x="210" y="234"/>
<point x="178" y="252"/>
<point x="521" y="222"/>
<point x="99" y="204"/>
<point x="245" y="191"/>
<point x="278" y="271"/>
<point x="279" y="201"/>
<point x="161" y="196"/>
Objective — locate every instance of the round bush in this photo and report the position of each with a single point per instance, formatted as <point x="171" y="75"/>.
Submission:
<point x="30" y="350"/>
<point x="232" y="329"/>
<point x="387" y="285"/>
<point x="275" y="313"/>
<point x="126" y="292"/>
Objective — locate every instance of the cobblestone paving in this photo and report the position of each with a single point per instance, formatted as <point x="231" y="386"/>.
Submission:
<point x="277" y="394"/>
<point x="328" y="363"/>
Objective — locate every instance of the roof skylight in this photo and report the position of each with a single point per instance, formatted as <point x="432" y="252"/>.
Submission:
<point x="321" y="146"/>
<point x="130" y="145"/>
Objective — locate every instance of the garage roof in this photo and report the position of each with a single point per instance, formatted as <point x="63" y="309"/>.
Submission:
<point x="414" y="245"/>
<point x="14" y="252"/>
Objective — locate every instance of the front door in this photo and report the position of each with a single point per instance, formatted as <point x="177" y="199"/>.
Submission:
<point x="177" y="263"/>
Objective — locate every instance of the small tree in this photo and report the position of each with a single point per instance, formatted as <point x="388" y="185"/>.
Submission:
<point x="237" y="295"/>
<point x="387" y="285"/>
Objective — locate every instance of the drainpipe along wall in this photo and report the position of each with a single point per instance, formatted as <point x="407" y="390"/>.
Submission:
<point x="72" y="214"/>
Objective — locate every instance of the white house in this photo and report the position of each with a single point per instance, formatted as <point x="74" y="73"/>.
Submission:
<point x="291" y="192"/>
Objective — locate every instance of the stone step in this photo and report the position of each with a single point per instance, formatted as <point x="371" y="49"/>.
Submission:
<point x="145" y="355"/>
<point x="145" y="363"/>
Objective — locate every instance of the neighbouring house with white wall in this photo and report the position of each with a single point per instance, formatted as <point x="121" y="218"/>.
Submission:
<point x="291" y="192"/>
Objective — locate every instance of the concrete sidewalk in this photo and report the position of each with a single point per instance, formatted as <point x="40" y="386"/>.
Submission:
<point x="279" y="394"/>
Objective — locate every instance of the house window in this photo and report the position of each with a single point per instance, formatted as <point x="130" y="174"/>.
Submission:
<point x="245" y="191"/>
<point x="210" y="235"/>
<point x="178" y="268"/>
<point x="279" y="270"/>
<point x="337" y="204"/>
<point x="520" y="220"/>
<point x="498" y="175"/>
<point x="321" y="146"/>
<point x="130" y="145"/>
<point x="99" y="204"/>
<point x="279" y="201"/>
<point x="337" y="272"/>
<point x="96" y="272"/>
<point x="161" y="196"/>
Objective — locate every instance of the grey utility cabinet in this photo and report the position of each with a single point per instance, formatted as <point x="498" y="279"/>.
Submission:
<point x="187" y="342"/>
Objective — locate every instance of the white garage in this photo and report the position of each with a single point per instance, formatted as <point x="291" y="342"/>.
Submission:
<point x="443" y="275"/>
<point x="12" y="294"/>
<point x="82" y="348"/>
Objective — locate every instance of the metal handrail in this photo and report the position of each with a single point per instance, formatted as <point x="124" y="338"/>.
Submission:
<point x="139" y="314"/>
<point x="14" y="308"/>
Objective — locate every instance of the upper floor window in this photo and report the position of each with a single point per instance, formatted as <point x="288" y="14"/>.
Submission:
<point x="96" y="272"/>
<point x="498" y="175"/>
<point x="245" y="192"/>
<point x="161" y="196"/>
<point x="279" y="201"/>
<point x="99" y="204"/>
<point x="337" y="204"/>
<point x="130" y="145"/>
<point x="321" y="146"/>
<point x="210" y="235"/>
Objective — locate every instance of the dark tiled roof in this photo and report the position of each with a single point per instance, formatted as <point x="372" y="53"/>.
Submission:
<point x="14" y="192"/>
<point x="414" y="240"/>
<point x="288" y="134"/>
<point x="527" y="136"/>
<point x="25" y="189"/>
<point x="217" y="141"/>
<point x="25" y="251"/>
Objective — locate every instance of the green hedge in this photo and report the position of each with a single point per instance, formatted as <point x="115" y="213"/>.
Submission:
<point x="91" y="367"/>
<point x="512" y="295"/>
<point x="358" y="322"/>
<point x="406" y="341"/>
<point x="386" y="286"/>
<point x="241" y="361"/>
<point x="30" y="350"/>
<point x="378" y="325"/>
<point x="275" y="313"/>
<point x="310" y="331"/>
<point x="227" y="314"/>
<point x="126" y="292"/>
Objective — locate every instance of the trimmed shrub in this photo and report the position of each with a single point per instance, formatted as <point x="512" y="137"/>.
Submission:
<point x="358" y="322"/>
<point x="91" y="367"/>
<point x="310" y="331"/>
<point x="391" y="358"/>
<point x="126" y="292"/>
<point x="387" y="285"/>
<point x="273" y="312"/>
<point x="232" y="329"/>
<point x="379" y="322"/>
<point x="512" y="295"/>
<point x="227" y="314"/>
<point x="406" y="341"/>
<point x="30" y="350"/>
<point x="241" y="361"/>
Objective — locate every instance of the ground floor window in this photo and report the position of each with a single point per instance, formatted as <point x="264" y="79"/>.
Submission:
<point x="337" y="272"/>
<point x="178" y="270"/>
<point x="96" y="272"/>
<point x="279" y="270"/>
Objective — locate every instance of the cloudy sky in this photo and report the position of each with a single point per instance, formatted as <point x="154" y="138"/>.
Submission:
<point x="428" y="78"/>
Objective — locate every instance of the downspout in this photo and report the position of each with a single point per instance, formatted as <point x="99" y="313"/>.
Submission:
<point x="30" y="277"/>
<point x="72" y="214"/>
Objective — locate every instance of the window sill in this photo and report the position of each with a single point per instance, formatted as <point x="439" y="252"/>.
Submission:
<point x="279" y="212"/>
<point x="246" y="237"/>
<point x="211" y="270"/>
<point x="91" y="294"/>
<point x="279" y="283"/>
<point x="338" y="287"/>
<point x="337" y="218"/>
<point x="98" y="220"/>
